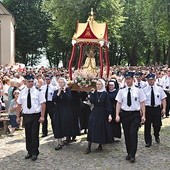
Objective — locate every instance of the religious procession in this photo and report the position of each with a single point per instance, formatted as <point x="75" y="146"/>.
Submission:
<point x="91" y="103"/>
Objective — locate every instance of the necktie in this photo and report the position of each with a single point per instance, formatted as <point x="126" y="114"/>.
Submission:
<point x="152" y="97"/>
<point x="129" y="102"/>
<point x="46" y="93"/>
<point x="138" y="84"/>
<point x="29" y="99"/>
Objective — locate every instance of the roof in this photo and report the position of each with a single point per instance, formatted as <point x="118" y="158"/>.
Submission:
<point x="91" y="31"/>
<point x="4" y="11"/>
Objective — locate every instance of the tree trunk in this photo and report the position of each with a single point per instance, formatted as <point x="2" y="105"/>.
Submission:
<point x="133" y="61"/>
<point x="48" y="58"/>
<point x="68" y="54"/>
<point x="114" y="56"/>
<point x="156" y="53"/>
<point x="57" y="54"/>
<point x="164" y="54"/>
<point x="168" y="53"/>
<point x="24" y="58"/>
<point x="64" y="60"/>
<point x="32" y="60"/>
<point x="118" y="60"/>
<point x="111" y="54"/>
<point x="148" y="54"/>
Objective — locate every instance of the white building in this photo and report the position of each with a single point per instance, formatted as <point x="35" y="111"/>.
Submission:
<point x="7" y="36"/>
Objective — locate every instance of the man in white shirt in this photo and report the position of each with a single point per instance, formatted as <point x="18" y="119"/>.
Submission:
<point x="165" y="83"/>
<point x="155" y="108"/>
<point x="138" y="80"/>
<point x="130" y="102"/>
<point x="32" y="102"/>
<point x="48" y="90"/>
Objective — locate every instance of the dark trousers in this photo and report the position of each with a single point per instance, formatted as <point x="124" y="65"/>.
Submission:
<point x="153" y="116"/>
<point x="31" y="122"/>
<point x="167" y="104"/>
<point x="131" y="122"/>
<point x="49" y="110"/>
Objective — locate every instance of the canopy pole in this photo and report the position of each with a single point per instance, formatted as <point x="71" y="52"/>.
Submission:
<point x="71" y="61"/>
<point x="107" y="60"/>
<point x="101" y="61"/>
<point x="80" y="57"/>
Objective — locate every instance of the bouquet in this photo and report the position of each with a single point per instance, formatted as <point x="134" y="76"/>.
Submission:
<point x="82" y="80"/>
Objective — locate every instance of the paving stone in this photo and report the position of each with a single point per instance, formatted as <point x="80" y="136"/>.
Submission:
<point x="157" y="157"/>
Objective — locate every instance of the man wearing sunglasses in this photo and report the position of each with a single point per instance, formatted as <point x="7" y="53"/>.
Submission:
<point x="32" y="102"/>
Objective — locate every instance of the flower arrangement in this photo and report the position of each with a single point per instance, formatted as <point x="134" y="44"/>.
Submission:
<point x="83" y="80"/>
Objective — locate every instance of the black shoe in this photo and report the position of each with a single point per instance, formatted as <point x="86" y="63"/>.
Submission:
<point x="128" y="157"/>
<point x="28" y="156"/>
<point x="34" y="157"/>
<point x="66" y="142"/>
<point x="58" y="147"/>
<point x="157" y="140"/>
<point x="132" y="159"/>
<point x="73" y="139"/>
<point x="148" y="145"/>
<point x="99" y="149"/>
<point x="44" y="135"/>
<point x="85" y="131"/>
<point x="87" y="151"/>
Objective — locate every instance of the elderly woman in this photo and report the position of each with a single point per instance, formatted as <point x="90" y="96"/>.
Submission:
<point x="99" y="129"/>
<point x="62" y="119"/>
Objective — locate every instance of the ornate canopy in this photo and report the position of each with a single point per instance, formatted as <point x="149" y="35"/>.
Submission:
<point x="91" y="33"/>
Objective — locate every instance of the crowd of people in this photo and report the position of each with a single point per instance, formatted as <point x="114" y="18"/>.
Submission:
<point x="129" y="96"/>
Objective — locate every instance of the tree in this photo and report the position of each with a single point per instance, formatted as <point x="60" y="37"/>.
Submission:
<point x="156" y="26"/>
<point x="31" y="29"/>
<point x="66" y="13"/>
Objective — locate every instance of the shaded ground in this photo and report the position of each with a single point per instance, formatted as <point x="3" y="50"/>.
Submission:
<point x="157" y="157"/>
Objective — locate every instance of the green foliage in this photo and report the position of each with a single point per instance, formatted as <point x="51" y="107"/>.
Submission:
<point x="66" y="13"/>
<point x="139" y="31"/>
<point x="31" y="27"/>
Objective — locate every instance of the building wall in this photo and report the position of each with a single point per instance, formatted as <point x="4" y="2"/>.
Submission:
<point x="7" y="51"/>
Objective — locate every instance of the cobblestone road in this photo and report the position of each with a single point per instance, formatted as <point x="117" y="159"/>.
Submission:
<point x="157" y="157"/>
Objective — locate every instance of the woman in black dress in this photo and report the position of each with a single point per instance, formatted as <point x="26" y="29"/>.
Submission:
<point x="99" y="129"/>
<point x="85" y="111"/>
<point x="63" y="125"/>
<point x="75" y="107"/>
<point x="116" y="127"/>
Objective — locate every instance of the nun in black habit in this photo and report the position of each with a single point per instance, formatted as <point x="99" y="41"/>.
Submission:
<point x="116" y="127"/>
<point x="75" y="107"/>
<point x="63" y="117"/>
<point x="99" y="127"/>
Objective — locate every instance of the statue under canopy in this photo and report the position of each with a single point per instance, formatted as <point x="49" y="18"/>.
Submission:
<point x="90" y="63"/>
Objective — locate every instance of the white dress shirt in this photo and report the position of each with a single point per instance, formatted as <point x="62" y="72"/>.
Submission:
<point x="5" y="92"/>
<point x="54" y="82"/>
<point x="165" y="83"/>
<point x="51" y="90"/>
<point x="141" y="84"/>
<point x="137" y="96"/>
<point x="37" y="98"/>
<point x="159" y="81"/>
<point x="159" y="94"/>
